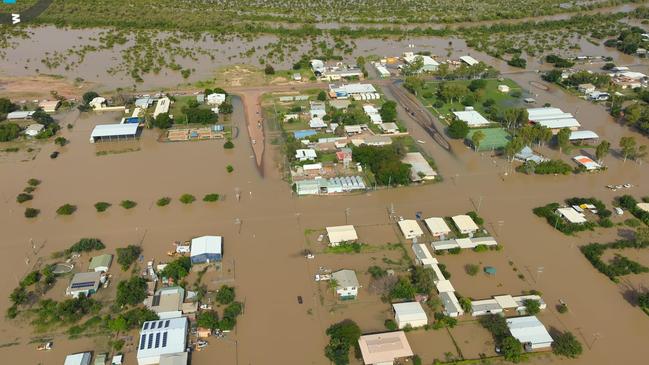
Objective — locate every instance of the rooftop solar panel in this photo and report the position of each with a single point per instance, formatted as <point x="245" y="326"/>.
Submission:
<point x="142" y="341"/>
<point x="164" y="339"/>
<point x="157" y="340"/>
<point x="148" y="346"/>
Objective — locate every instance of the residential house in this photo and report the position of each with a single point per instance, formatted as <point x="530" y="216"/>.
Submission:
<point x="346" y="284"/>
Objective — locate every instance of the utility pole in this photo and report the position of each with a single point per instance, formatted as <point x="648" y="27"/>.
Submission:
<point x="347" y="211"/>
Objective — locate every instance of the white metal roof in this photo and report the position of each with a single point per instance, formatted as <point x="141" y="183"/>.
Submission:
<point x="422" y="253"/>
<point x="528" y="330"/>
<point x="114" y="130"/>
<point x="559" y="123"/>
<point x="317" y="123"/>
<point x="472" y="118"/>
<point x="338" y="234"/>
<point x="357" y="88"/>
<point x="427" y="60"/>
<point x="410" y="228"/>
<point x="409" y="311"/>
<point x="307" y="153"/>
<point x="437" y="225"/>
<point x="389" y="127"/>
<point x="82" y="358"/>
<point x="165" y="336"/>
<point x="464" y="223"/>
<point x="444" y="245"/>
<point x="465" y="243"/>
<point x="643" y="206"/>
<point x="572" y="215"/>
<point x="450" y="303"/>
<point x="20" y="115"/>
<point x="206" y="244"/>
<point x="505" y="301"/>
<point x="444" y="286"/>
<point x="469" y="60"/>
<point x="312" y="166"/>
<point x="162" y="106"/>
<point x="535" y="113"/>
<point x="384" y="348"/>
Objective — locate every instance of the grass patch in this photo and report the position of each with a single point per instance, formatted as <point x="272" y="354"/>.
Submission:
<point x="345" y="247"/>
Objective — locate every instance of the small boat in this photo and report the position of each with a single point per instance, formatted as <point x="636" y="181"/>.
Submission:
<point x="45" y="346"/>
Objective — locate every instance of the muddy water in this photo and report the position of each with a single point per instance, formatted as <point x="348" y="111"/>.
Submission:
<point x="212" y="54"/>
<point x="264" y="248"/>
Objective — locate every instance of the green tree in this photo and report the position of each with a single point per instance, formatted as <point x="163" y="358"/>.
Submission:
<point x="388" y="111"/>
<point x="476" y="138"/>
<point x="88" y="96"/>
<point x="322" y="95"/>
<point x="225" y="295"/>
<point x="628" y="146"/>
<point x="269" y="70"/>
<point x="163" y="121"/>
<point x="343" y="336"/>
<point x="458" y="129"/>
<point x="177" y="269"/>
<point x="511" y="349"/>
<point x="403" y="289"/>
<point x="131" y="292"/>
<point x="6" y="106"/>
<point x="602" y="150"/>
<point x="563" y="138"/>
<point x="208" y="319"/>
<point x="566" y="344"/>
<point x="9" y="132"/>
<point x="451" y="92"/>
<point x="128" y="255"/>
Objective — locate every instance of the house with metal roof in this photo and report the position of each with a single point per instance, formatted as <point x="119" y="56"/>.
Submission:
<point x="206" y="249"/>
<point x="472" y="118"/>
<point x="161" y="337"/>
<point x="452" y="307"/>
<point x="49" y="106"/>
<point x="33" y="130"/>
<point x="422" y="255"/>
<point x="571" y="215"/>
<point x="86" y="283"/>
<point x="409" y="314"/>
<point x="437" y="226"/>
<point x="346" y="284"/>
<point x="167" y="302"/>
<point x="340" y="234"/>
<point x="384" y="348"/>
<point x="420" y="169"/>
<point x="464" y="224"/>
<point x="410" y="228"/>
<point x="530" y="332"/>
<point x="20" y="114"/>
<point x="101" y="263"/>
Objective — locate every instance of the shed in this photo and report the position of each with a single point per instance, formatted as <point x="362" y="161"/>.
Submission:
<point x="410" y="313"/>
<point x="437" y="226"/>
<point x="530" y="332"/>
<point x="464" y="224"/>
<point x="469" y="60"/>
<point x="100" y="359"/>
<point x="410" y="229"/>
<point x="572" y="215"/>
<point x="472" y="118"/>
<point x="85" y="283"/>
<point x="34" y="129"/>
<point x="503" y="88"/>
<point x="20" y="115"/>
<point x="49" y="106"/>
<point x="82" y="358"/>
<point x="206" y="249"/>
<point x="384" y="348"/>
<point x="340" y="234"/>
<point x="452" y="307"/>
<point x="587" y="163"/>
<point x="101" y="263"/>
<point x="162" y="106"/>
<point x="113" y="132"/>
<point x="161" y="337"/>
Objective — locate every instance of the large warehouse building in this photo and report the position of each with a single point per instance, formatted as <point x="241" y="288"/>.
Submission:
<point x="113" y="132"/>
<point x="160" y="338"/>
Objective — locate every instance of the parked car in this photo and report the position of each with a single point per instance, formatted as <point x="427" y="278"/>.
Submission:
<point x="54" y="154"/>
<point x="619" y="211"/>
<point x="299" y="299"/>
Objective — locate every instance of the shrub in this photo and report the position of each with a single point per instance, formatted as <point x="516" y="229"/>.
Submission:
<point x="472" y="269"/>
<point x="211" y="197"/>
<point x="458" y="129"/>
<point x="33" y="182"/>
<point x="480" y="248"/>
<point x="163" y="201"/>
<point x="532" y="306"/>
<point x="86" y="245"/>
<point x="376" y="272"/>
<point x="128" y="204"/>
<point x="390" y="325"/>
<point x="566" y="344"/>
<point x="131" y="292"/>
<point x="228" y="145"/>
<point x="455" y="251"/>
<point x="632" y="222"/>
<point x="476" y="218"/>
<point x="562" y="308"/>
<point x="29" y="189"/>
<point x="66" y="209"/>
<point x="61" y="141"/>
<point x="229" y="168"/>
<point x="23" y="197"/>
<point x="606" y="223"/>
<point x="102" y="206"/>
<point x="178" y="268"/>
<point x="187" y="198"/>
<point x="31" y="212"/>
<point x="512" y="349"/>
